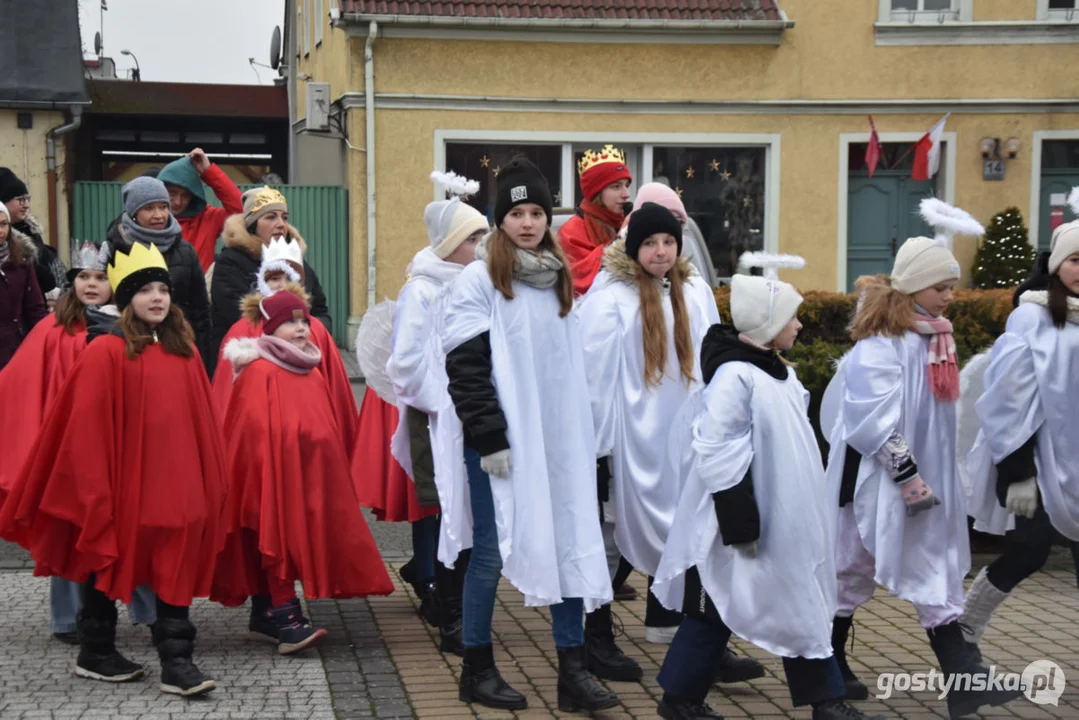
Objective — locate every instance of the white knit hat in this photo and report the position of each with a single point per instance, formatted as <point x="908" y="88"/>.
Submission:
<point x="450" y="222"/>
<point x="1065" y="242"/>
<point x="762" y="306"/>
<point x="923" y="262"/>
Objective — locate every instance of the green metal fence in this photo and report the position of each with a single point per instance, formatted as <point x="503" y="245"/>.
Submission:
<point x="319" y="212"/>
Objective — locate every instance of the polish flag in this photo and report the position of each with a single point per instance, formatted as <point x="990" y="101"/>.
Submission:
<point x="927" y="152"/>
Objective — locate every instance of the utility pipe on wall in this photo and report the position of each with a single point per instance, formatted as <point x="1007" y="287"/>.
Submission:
<point x="369" y="116"/>
<point x="50" y="164"/>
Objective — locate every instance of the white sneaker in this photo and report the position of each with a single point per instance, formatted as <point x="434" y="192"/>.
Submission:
<point x="660" y="635"/>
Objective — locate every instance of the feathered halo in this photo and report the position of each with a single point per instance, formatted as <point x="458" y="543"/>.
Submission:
<point x="454" y="184"/>
<point x="771" y="263"/>
<point x="1073" y="199"/>
<point x="948" y="221"/>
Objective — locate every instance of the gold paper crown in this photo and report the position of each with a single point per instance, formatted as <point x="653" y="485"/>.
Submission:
<point x="140" y="257"/>
<point x="266" y="196"/>
<point x="590" y="159"/>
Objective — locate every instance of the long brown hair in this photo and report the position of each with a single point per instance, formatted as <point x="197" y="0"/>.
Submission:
<point x="70" y="312"/>
<point x="654" y="325"/>
<point x="882" y="310"/>
<point x="174" y="333"/>
<point x="502" y="262"/>
<point x="1058" y="301"/>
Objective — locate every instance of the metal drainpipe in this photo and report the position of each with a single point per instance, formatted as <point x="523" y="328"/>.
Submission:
<point x="369" y="117"/>
<point x="50" y="164"/>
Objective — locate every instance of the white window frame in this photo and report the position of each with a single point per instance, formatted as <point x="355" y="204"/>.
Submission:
<point x="305" y="10"/>
<point x="647" y="141"/>
<point x="318" y="19"/>
<point x="1044" y="13"/>
<point x="961" y="11"/>
<point x="945" y="179"/>
<point x="1034" y="215"/>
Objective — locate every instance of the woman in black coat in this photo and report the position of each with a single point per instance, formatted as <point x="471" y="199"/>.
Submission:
<point x="21" y="302"/>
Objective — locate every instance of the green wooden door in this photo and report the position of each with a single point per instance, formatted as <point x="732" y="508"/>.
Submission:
<point x="1056" y="184"/>
<point x="882" y="212"/>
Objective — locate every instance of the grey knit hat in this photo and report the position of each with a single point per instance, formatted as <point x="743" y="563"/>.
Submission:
<point x="142" y="191"/>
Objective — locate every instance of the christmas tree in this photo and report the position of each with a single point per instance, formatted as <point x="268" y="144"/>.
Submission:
<point x="1005" y="256"/>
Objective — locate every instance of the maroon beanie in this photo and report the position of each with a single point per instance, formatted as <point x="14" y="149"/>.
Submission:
<point x="279" y="308"/>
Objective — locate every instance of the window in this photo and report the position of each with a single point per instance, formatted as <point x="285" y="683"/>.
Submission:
<point x="305" y="10"/>
<point x="483" y="161"/>
<point x="318" y="19"/>
<point x="1062" y="10"/>
<point x="723" y="191"/>
<point x="922" y="10"/>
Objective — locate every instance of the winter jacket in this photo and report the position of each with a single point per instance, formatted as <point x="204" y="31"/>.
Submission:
<point x="235" y="272"/>
<point x="22" y="304"/>
<point x="188" y="289"/>
<point x="474" y="396"/>
<point x="201" y="223"/>
<point x="49" y="268"/>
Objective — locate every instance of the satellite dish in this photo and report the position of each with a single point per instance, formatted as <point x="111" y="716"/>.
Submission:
<point x="97" y="44"/>
<point x="275" y="48"/>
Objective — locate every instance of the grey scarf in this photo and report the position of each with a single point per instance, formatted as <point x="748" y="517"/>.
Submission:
<point x="5" y="249"/>
<point x="540" y="269"/>
<point x="164" y="239"/>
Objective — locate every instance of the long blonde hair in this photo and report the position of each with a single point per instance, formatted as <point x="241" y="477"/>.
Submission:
<point x="882" y="310"/>
<point x="654" y="325"/>
<point x="502" y="261"/>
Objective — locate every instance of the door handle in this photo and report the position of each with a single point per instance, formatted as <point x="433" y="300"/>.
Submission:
<point x="893" y="247"/>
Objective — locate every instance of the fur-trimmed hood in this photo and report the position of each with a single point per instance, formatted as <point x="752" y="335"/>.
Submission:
<point x="241" y="352"/>
<point x="236" y="236"/>
<point x="23" y="248"/>
<point x="620" y="266"/>
<point x="249" y="304"/>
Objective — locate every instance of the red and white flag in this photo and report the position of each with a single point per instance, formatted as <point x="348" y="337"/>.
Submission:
<point x="927" y="152"/>
<point x="874" y="149"/>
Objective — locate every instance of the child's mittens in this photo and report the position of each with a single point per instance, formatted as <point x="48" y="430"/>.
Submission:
<point x="1023" y="497"/>
<point x="897" y="459"/>
<point x="917" y="495"/>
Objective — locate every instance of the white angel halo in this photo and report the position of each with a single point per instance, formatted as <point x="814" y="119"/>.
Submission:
<point x="948" y="221"/>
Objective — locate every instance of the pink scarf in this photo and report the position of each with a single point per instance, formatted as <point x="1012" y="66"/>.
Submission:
<point x="286" y="355"/>
<point x="943" y="361"/>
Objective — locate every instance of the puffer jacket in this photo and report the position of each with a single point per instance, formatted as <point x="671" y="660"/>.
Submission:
<point x="22" y="304"/>
<point x="234" y="276"/>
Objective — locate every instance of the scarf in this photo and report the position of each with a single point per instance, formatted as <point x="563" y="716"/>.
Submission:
<point x="286" y="355"/>
<point x="585" y="259"/>
<point x="538" y="268"/>
<point x="943" y="361"/>
<point x="5" y="250"/>
<point x="1041" y="297"/>
<point x="164" y="239"/>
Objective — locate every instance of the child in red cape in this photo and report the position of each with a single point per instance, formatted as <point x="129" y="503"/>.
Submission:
<point x="125" y="484"/>
<point x="292" y="511"/>
<point x="282" y="264"/>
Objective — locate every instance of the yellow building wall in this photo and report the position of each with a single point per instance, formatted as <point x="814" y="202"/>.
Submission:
<point x="990" y="10"/>
<point x="328" y="61"/>
<point x="24" y="152"/>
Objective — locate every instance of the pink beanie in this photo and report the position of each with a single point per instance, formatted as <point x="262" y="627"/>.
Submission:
<point x="661" y="195"/>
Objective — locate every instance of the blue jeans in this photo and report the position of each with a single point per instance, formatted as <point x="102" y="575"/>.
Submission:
<point x="65" y="601"/>
<point x="425" y="548"/>
<point x="485" y="569"/>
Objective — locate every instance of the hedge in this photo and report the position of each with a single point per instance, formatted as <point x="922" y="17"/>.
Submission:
<point x="978" y="317"/>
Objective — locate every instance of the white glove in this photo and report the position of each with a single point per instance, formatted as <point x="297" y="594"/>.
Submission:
<point x="497" y="464"/>
<point x="748" y="550"/>
<point x="1023" y="497"/>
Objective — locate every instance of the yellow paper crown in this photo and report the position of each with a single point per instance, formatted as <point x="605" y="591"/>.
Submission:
<point x="140" y="257"/>
<point x="266" y="196"/>
<point x="590" y="159"/>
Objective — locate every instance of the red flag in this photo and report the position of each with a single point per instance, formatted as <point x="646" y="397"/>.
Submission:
<point x="874" y="150"/>
<point x="927" y="152"/>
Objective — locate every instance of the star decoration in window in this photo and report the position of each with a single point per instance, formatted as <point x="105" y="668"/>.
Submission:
<point x="690" y="172"/>
<point x="726" y="175"/>
<point x="715" y="165"/>
<point x="485" y="161"/>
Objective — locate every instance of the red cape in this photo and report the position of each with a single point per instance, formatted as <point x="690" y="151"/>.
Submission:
<point x="332" y="367"/>
<point x="381" y="482"/>
<point x="28" y="385"/>
<point x="292" y="510"/>
<point x="127" y="478"/>
<point x="585" y="258"/>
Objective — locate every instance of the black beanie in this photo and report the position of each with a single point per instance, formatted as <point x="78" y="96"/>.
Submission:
<point x="647" y="220"/>
<point x="10" y="186"/>
<point x="518" y="183"/>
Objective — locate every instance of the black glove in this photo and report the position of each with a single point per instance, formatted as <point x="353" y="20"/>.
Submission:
<point x="737" y="513"/>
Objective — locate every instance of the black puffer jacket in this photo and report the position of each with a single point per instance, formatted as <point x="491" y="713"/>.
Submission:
<point x="188" y="288"/>
<point x="234" y="276"/>
<point x="474" y="396"/>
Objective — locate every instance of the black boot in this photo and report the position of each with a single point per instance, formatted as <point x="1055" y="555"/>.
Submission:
<point x="174" y="637"/>
<point x="577" y="691"/>
<point x="261" y="625"/>
<point x="98" y="658"/>
<point x="856" y="690"/>
<point x="408" y="574"/>
<point x="733" y="668"/>
<point x="840" y="710"/>
<point x="430" y="605"/>
<point x="604" y="658"/>
<point x="672" y="708"/>
<point x="450" y="588"/>
<point x="294" y="631"/>
<point x="956" y="656"/>
<point x="482" y="683"/>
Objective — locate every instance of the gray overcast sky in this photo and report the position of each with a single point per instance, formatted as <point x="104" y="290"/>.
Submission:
<point x="201" y="41"/>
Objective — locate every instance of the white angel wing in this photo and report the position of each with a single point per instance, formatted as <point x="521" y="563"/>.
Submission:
<point x="832" y="401"/>
<point x="373" y="346"/>
<point x="971" y="387"/>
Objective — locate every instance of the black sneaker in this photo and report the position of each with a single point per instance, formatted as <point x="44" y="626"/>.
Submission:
<point x="113" y="667"/>
<point x="68" y="638"/>
<point x="180" y="676"/>
<point x="840" y="710"/>
<point x="261" y="627"/>
<point x="298" y="637"/>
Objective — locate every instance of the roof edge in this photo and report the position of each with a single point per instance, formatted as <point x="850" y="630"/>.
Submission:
<point x="594" y="24"/>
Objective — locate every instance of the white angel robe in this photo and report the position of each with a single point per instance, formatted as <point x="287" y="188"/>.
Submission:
<point x="1031" y="388"/>
<point x="632" y="419"/>
<point x="408" y="368"/>
<point x="884" y="388"/>
<point x="548" y="525"/>
<point x="784" y="599"/>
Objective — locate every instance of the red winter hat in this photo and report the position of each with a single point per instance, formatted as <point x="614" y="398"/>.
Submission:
<point x="279" y="308"/>
<point x="598" y="170"/>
